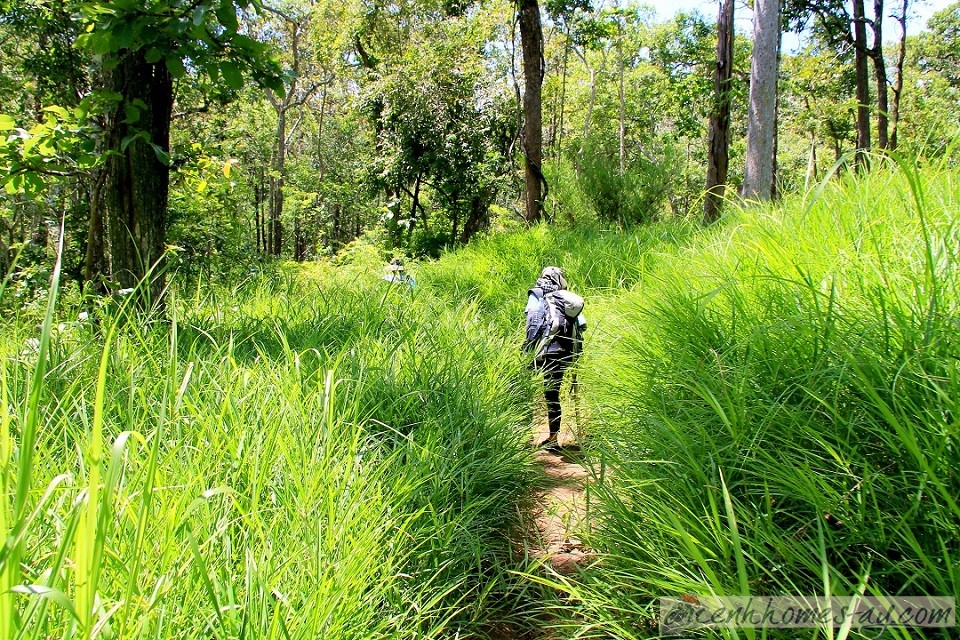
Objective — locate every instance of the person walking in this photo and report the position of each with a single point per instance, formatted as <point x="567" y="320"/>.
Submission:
<point x="396" y="274"/>
<point x="554" y="328"/>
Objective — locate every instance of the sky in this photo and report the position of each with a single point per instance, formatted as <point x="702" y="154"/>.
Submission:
<point x="919" y="12"/>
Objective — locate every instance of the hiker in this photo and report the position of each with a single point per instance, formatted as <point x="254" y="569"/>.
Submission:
<point x="554" y="328"/>
<point x="396" y="273"/>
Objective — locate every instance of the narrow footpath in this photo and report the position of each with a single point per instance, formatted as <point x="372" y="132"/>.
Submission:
<point x="560" y="512"/>
<point x="557" y="514"/>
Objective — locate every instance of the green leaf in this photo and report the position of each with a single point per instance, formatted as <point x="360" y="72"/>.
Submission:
<point x="153" y="55"/>
<point x="227" y="15"/>
<point x="48" y="593"/>
<point x="128" y="140"/>
<point x="231" y="74"/>
<point x="7" y="123"/>
<point x="122" y="36"/>
<point x="132" y="113"/>
<point x="87" y="161"/>
<point x="275" y="83"/>
<point x="175" y="65"/>
<point x="32" y="184"/>
<point x="162" y="155"/>
<point x="59" y="111"/>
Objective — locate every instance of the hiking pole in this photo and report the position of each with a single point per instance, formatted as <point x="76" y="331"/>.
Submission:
<point x="574" y="387"/>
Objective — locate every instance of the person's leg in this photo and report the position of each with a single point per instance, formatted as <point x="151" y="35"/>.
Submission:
<point x="552" y="380"/>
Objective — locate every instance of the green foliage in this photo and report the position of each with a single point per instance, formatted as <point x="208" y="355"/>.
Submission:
<point x="634" y="196"/>
<point x="441" y="127"/>
<point x="938" y="50"/>
<point x="799" y="363"/>
<point x="205" y="34"/>
<point x="495" y="272"/>
<point x="335" y="458"/>
<point x="59" y="144"/>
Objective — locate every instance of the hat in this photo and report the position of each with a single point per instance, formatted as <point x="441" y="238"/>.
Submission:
<point x="553" y="275"/>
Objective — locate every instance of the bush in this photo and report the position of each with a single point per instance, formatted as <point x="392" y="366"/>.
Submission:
<point x="634" y="196"/>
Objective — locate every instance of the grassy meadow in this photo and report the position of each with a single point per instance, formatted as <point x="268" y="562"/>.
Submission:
<point x="313" y="453"/>
<point x="775" y="410"/>
<point x="299" y="456"/>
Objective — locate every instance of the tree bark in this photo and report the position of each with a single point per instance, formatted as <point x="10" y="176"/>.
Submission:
<point x="94" y="263"/>
<point x="718" y="152"/>
<point x="275" y="228"/>
<point x="812" y="161"/>
<point x="136" y="181"/>
<point x="593" y="100"/>
<point x="563" y="91"/>
<point x="622" y="98"/>
<point x="531" y="40"/>
<point x="762" y="119"/>
<point x="863" y="83"/>
<point x="898" y="83"/>
<point x="880" y="74"/>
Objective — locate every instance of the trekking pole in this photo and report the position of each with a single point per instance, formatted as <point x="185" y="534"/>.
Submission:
<point x="574" y="387"/>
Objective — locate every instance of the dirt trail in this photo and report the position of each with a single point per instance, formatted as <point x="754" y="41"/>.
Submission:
<point x="560" y="511"/>
<point x="549" y="528"/>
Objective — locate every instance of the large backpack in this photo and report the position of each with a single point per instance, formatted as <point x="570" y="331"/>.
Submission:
<point x="552" y="328"/>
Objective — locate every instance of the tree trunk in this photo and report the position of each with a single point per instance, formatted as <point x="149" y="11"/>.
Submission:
<point x="563" y="91"/>
<point x="258" y="198"/>
<point x="898" y="83"/>
<point x="863" y="83"/>
<point x="719" y="138"/>
<point x="136" y="182"/>
<point x="621" y="95"/>
<point x="880" y="73"/>
<point x="531" y="40"/>
<point x="479" y="217"/>
<point x="275" y="229"/>
<point x="775" y="181"/>
<point x="94" y="264"/>
<point x="761" y="126"/>
<point x="812" y="161"/>
<point x="593" y="100"/>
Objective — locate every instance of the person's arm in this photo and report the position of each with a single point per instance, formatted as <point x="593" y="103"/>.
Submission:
<point x="582" y="322"/>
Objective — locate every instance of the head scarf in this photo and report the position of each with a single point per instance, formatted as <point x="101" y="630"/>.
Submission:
<point x="551" y="279"/>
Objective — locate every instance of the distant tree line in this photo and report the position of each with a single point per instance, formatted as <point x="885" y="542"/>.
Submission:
<point x="213" y="134"/>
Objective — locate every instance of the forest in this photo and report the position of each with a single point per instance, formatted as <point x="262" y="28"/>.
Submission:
<point x="217" y="420"/>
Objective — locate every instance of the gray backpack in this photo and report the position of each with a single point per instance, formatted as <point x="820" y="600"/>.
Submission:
<point x="552" y="328"/>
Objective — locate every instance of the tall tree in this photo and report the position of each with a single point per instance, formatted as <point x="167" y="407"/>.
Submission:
<point x="531" y="41"/>
<point x="293" y="25"/>
<point x="863" y="83"/>
<point x="898" y="81"/>
<point x="144" y="48"/>
<point x="880" y="75"/>
<point x="762" y="118"/>
<point x="718" y="151"/>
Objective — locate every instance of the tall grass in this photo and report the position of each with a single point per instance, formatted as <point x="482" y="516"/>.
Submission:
<point x="495" y="272"/>
<point x="286" y="458"/>
<point x="776" y="409"/>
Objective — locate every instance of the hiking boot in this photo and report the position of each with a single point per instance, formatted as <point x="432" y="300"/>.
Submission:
<point x="551" y="443"/>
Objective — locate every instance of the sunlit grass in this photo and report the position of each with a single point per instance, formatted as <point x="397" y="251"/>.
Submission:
<point x="776" y="408"/>
<point x="287" y="458"/>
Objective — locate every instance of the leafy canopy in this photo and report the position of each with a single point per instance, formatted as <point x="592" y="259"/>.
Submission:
<point x="200" y="35"/>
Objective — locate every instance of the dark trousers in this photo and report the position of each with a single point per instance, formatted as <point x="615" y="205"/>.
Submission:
<point x="553" y="370"/>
